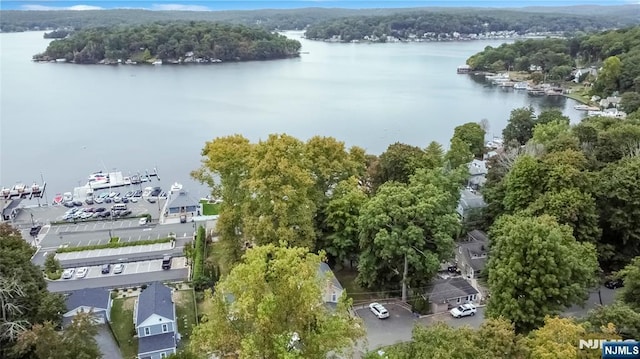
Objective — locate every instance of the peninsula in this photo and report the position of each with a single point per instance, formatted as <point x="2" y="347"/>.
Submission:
<point x="173" y="43"/>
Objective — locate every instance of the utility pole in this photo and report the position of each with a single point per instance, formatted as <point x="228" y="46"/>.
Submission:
<point x="404" y="278"/>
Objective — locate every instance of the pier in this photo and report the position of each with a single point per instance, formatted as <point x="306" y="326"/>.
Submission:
<point x="22" y="191"/>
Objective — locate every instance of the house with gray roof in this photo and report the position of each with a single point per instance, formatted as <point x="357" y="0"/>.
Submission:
<point x="155" y="321"/>
<point x="181" y="203"/>
<point x="477" y="173"/>
<point x="444" y="294"/>
<point x="470" y="204"/>
<point x="332" y="289"/>
<point x="472" y="254"/>
<point x="94" y="300"/>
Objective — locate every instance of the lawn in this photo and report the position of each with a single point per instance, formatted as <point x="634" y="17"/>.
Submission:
<point x="185" y="312"/>
<point x="123" y="327"/>
<point x="210" y="209"/>
<point x="347" y="277"/>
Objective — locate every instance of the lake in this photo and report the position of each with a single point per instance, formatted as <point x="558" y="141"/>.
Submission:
<point x="64" y="121"/>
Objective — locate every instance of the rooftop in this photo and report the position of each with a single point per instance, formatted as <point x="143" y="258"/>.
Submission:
<point x="91" y="297"/>
<point x="154" y="343"/>
<point x="442" y="290"/>
<point x="156" y="299"/>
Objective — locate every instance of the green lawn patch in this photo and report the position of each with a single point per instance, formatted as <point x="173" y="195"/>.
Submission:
<point x="210" y="209"/>
<point x="185" y="312"/>
<point x="113" y="245"/>
<point x="347" y="277"/>
<point x="123" y="327"/>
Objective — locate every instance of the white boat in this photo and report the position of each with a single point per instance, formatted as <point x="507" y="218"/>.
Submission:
<point x="67" y="197"/>
<point x="498" y="77"/>
<point x="98" y="177"/>
<point x="157" y="62"/>
<point x="521" y="85"/>
<point x="176" y="187"/>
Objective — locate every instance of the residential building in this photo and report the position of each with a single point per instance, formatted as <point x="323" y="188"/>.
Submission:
<point x="181" y="203"/>
<point x="90" y="300"/>
<point x="477" y="173"/>
<point x="332" y="290"/>
<point x="470" y="205"/>
<point x="472" y="253"/>
<point x="444" y="294"/>
<point x="154" y="316"/>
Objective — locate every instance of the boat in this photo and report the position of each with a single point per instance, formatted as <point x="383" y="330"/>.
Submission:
<point x="67" y="197"/>
<point x="98" y="177"/>
<point x="5" y="191"/>
<point x="521" y="85"/>
<point x="176" y="187"/>
<point x="586" y="108"/>
<point x="498" y="77"/>
<point x="157" y="62"/>
<point x="35" y="188"/>
<point x="58" y="199"/>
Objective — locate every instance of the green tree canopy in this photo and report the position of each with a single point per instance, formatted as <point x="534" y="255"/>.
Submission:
<point x="274" y="295"/>
<point x="519" y="129"/>
<point x="536" y="268"/>
<point x="472" y="134"/>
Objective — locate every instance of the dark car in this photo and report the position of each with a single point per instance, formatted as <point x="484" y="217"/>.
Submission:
<point x="68" y="204"/>
<point x="166" y="262"/>
<point x="106" y="268"/>
<point x="151" y="200"/>
<point x="35" y="230"/>
<point x="614" y="283"/>
<point x="183" y="218"/>
<point x="77" y="203"/>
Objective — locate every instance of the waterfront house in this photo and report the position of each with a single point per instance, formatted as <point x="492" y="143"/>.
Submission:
<point x="154" y="316"/>
<point x="472" y="254"/>
<point x="180" y="204"/>
<point x="96" y="301"/>
<point x="444" y="294"/>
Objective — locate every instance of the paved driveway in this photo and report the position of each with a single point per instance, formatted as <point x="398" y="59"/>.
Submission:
<point x="107" y="343"/>
<point x="382" y="332"/>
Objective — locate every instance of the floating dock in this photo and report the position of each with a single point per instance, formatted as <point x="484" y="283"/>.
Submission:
<point x="109" y="180"/>
<point x="22" y="191"/>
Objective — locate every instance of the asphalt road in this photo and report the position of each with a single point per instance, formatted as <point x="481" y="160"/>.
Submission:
<point x="118" y="281"/>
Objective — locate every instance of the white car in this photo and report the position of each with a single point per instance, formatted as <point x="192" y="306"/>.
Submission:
<point x="118" y="268"/>
<point x="68" y="273"/>
<point x="463" y="310"/>
<point x="379" y="311"/>
<point x="142" y="221"/>
<point x="82" y="272"/>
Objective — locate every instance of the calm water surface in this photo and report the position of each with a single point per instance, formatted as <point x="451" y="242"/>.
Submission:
<point x="64" y="121"/>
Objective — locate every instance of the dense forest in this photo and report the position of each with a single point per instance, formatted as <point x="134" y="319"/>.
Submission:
<point x="171" y="41"/>
<point x="404" y="26"/>
<point x="614" y="54"/>
<point x="270" y="19"/>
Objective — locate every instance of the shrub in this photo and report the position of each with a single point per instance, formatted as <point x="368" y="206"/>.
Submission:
<point x="54" y="275"/>
<point x="113" y="245"/>
<point x="114" y="240"/>
<point x="51" y="264"/>
<point x="198" y="265"/>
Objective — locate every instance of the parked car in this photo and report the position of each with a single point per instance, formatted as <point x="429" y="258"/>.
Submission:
<point x="151" y="200"/>
<point x="142" y="221"/>
<point x="183" y="218"/>
<point x="379" y="311"/>
<point x="82" y="272"/>
<point x="77" y="203"/>
<point x="68" y="273"/>
<point x="88" y="201"/>
<point x="68" y="204"/>
<point x="100" y="209"/>
<point x="614" y="283"/>
<point x="118" y="268"/>
<point x="166" y="262"/>
<point x="463" y="310"/>
<point x="106" y="268"/>
<point x="35" y="230"/>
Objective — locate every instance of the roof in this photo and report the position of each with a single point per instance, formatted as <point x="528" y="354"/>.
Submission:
<point x="182" y="199"/>
<point x="471" y="199"/>
<point x="97" y="298"/>
<point x="324" y="269"/>
<point x="156" y="299"/>
<point x="475" y="251"/>
<point x="477" y="167"/>
<point x="12" y="204"/>
<point x="157" y="342"/>
<point x="445" y="289"/>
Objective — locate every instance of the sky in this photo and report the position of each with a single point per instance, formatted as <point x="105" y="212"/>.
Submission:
<point x="195" y="5"/>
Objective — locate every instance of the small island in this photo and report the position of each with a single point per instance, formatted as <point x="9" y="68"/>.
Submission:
<point x="169" y="43"/>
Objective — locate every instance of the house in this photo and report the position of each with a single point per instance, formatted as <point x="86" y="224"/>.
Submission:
<point x="444" y="294"/>
<point x="95" y="300"/>
<point x="470" y="204"/>
<point x="471" y="254"/>
<point x="609" y="102"/>
<point x="332" y="290"/>
<point x="477" y="172"/>
<point x="180" y="203"/>
<point x="154" y="317"/>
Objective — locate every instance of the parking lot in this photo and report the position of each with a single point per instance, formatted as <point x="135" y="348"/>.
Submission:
<point x="131" y="268"/>
<point x="114" y="251"/>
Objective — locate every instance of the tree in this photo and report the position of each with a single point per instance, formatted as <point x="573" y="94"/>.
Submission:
<point x="342" y="211"/>
<point x="609" y="77"/>
<point x="520" y="126"/>
<point x="522" y="184"/>
<point x="439" y="341"/>
<point x="472" y="134"/>
<point x="51" y="264"/>
<point x="499" y="339"/>
<point x="630" y="294"/>
<point x="279" y="207"/>
<point x="227" y="160"/>
<point x="398" y="163"/>
<point x="433" y="155"/>
<point x="77" y="341"/>
<point x="24" y="290"/>
<point x="459" y="153"/>
<point x="414" y="222"/>
<point x="618" y="199"/>
<point x="558" y="339"/>
<point x="273" y="296"/>
<point x="624" y="318"/>
<point x="630" y="101"/>
<point x="536" y="268"/>
<point x="546" y="133"/>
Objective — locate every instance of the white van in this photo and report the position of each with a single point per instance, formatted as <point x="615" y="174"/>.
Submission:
<point x="119" y="207"/>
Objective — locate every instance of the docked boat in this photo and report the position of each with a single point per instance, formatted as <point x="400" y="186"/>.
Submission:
<point x="98" y="178"/>
<point x="157" y="62"/>
<point x="35" y="188"/>
<point x="586" y="108"/>
<point x="5" y="191"/>
<point x="19" y="188"/>
<point x="58" y="199"/>
<point x="521" y="85"/>
<point x="67" y="197"/>
<point x="498" y="77"/>
<point x="176" y="187"/>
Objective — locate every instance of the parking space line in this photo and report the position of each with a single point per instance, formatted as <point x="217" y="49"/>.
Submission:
<point x="91" y="241"/>
<point x="137" y="266"/>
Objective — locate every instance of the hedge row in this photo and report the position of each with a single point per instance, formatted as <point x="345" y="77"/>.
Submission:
<point x="113" y="245"/>
<point x="198" y="265"/>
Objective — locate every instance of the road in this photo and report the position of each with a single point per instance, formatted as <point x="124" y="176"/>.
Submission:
<point x="118" y="281"/>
